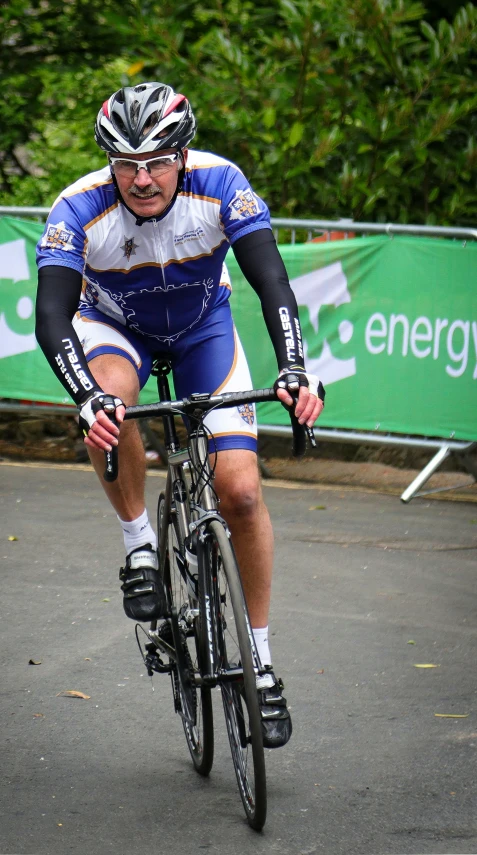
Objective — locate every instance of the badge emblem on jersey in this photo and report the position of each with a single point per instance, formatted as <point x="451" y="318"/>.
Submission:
<point x="247" y="413"/>
<point x="129" y="247"/>
<point x="244" y="204"/>
<point x="89" y="292"/>
<point x="58" y="237"/>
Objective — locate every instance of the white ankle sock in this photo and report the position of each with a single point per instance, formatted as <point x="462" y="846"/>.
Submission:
<point x="261" y="641"/>
<point x="137" y="532"/>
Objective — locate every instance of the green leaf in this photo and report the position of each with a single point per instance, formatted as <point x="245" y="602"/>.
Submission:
<point x="296" y="134"/>
<point x="428" y="31"/>
<point x="269" y="117"/>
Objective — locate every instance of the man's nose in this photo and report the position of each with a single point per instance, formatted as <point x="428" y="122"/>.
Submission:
<point x="142" y="179"/>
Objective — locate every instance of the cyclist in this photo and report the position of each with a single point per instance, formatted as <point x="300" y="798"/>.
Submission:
<point x="131" y="265"/>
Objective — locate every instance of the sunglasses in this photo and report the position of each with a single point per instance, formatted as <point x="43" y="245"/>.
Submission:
<point x="155" y="165"/>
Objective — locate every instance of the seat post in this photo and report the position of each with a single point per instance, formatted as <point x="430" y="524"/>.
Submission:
<point x="160" y="369"/>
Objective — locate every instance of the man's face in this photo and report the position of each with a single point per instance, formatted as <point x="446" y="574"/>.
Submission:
<point x="146" y="195"/>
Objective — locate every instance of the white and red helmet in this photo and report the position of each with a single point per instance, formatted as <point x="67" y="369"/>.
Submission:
<point x="147" y="117"/>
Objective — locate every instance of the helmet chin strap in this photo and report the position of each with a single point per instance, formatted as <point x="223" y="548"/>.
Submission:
<point x="140" y="220"/>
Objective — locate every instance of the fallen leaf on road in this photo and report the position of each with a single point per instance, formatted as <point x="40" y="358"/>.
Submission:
<point x="106" y="600"/>
<point x="12" y="537"/>
<point x="450" y="715"/>
<point x="70" y="693"/>
<point x="38" y="715"/>
<point x="411" y="641"/>
<point x="34" y="662"/>
<point x="427" y="666"/>
<point x="321" y="671"/>
<point x="317" y="508"/>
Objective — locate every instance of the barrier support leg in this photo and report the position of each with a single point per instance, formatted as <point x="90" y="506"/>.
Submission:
<point x="426" y="473"/>
<point x="469" y="462"/>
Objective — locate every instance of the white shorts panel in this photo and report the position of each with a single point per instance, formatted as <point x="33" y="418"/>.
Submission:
<point x="232" y="420"/>
<point x="95" y="335"/>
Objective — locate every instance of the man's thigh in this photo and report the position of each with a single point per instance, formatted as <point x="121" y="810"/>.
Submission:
<point x="212" y="360"/>
<point x="116" y="376"/>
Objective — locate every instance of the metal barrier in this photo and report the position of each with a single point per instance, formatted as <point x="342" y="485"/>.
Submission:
<point x="296" y="231"/>
<point x="32" y="213"/>
<point x="443" y="448"/>
<point x="310" y="228"/>
<point x="325" y="227"/>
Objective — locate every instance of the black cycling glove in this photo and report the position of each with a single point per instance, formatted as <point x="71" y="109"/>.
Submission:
<point x="98" y="401"/>
<point x="292" y="378"/>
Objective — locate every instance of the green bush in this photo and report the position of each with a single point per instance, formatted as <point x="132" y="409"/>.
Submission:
<point x="332" y="109"/>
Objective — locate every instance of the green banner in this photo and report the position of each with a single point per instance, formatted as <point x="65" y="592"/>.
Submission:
<point x="389" y="325"/>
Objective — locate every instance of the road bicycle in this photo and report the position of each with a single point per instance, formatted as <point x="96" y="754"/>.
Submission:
<point x="206" y="640"/>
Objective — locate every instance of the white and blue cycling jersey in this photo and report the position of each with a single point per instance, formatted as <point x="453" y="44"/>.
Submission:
<point x="159" y="285"/>
<point x="162" y="278"/>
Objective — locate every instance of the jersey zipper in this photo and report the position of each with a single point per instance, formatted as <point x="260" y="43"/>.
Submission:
<point x="160" y="259"/>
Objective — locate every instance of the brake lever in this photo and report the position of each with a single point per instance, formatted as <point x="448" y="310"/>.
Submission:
<point x="111" y="457"/>
<point x="311" y="435"/>
<point x="308" y="430"/>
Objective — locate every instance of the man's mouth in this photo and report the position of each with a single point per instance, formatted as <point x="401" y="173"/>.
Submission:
<point x="140" y="195"/>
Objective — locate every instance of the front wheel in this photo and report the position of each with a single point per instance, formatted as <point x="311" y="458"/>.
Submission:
<point x="195" y="709"/>
<point x="239" y="693"/>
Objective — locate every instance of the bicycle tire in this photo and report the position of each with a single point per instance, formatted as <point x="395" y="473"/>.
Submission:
<point x="239" y="696"/>
<point x="200" y="733"/>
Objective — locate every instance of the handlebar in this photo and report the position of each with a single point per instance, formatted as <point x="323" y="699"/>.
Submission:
<point x="204" y="403"/>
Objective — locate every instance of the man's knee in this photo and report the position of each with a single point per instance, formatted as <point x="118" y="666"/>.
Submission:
<point x="238" y="487"/>
<point x="240" y="500"/>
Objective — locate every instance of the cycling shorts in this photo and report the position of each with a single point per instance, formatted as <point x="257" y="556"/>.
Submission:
<point x="210" y="358"/>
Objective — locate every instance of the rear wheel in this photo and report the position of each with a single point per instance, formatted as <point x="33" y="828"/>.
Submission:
<point x="192" y="701"/>
<point x="239" y="692"/>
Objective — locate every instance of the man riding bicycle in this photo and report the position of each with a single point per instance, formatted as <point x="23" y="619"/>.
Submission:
<point x="131" y="266"/>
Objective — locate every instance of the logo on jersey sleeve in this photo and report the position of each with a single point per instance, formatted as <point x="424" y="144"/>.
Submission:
<point x="58" y="237"/>
<point x="247" y="413"/>
<point x="245" y="204"/>
<point x="129" y="247"/>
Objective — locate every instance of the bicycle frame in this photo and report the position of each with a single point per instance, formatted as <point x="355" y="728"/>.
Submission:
<point x="178" y="502"/>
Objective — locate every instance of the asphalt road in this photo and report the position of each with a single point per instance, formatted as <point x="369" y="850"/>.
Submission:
<point x="365" y="589"/>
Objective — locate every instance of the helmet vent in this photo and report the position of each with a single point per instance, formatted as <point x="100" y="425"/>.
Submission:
<point x="119" y="123"/>
<point x="167" y="132"/>
<point x="151" y="123"/>
<point x="134" y="113"/>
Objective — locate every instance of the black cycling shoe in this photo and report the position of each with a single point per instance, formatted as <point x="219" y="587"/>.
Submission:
<point x="276" y="719"/>
<point x="144" y="598"/>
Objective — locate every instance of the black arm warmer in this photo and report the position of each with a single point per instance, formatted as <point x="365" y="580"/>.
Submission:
<point x="57" y="299"/>
<point x="261" y="264"/>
